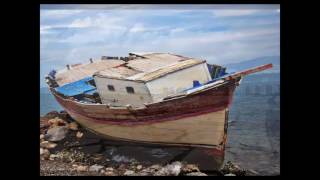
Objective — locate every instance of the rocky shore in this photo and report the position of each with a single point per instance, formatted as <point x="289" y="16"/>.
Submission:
<point x="67" y="149"/>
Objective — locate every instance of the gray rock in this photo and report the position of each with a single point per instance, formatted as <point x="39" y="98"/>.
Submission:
<point x="56" y="133"/>
<point x="196" y="174"/>
<point x="95" y="168"/>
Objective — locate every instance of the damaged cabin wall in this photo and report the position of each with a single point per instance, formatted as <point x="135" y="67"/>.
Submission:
<point x="178" y="81"/>
<point x="120" y="96"/>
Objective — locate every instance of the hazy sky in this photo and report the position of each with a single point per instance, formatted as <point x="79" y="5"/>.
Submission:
<point x="220" y="34"/>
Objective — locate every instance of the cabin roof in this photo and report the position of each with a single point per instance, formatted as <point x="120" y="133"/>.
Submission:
<point x="80" y="71"/>
<point x="118" y="72"/>
<point x="143" y="67"/>
<point x="147" y="67"/>
<point x="151" y="75"/>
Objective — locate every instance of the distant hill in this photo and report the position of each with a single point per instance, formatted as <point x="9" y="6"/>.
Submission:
<point x="275" y="60"/>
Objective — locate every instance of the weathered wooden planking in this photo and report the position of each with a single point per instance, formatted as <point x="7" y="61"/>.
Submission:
<point x="249" y="71"/>
<point x="206" y="129"/>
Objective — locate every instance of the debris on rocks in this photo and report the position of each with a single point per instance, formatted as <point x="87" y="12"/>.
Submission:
<point x="230" y="168"/>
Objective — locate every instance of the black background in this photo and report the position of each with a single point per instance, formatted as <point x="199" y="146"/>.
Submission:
<point x="20" y="84"/>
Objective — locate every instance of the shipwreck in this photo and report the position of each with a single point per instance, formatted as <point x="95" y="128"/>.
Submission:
<point x="152" y="98"/>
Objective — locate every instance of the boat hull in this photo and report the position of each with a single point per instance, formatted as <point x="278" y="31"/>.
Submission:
<point x="197" y="121"/>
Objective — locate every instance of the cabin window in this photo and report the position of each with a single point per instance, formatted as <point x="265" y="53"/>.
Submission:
<point x="130" y="90"/>
<point x="111" y="88"/>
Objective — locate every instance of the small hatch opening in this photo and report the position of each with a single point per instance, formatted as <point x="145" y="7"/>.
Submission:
<point x="130" y="90"/>
<point x="111" y="87"/>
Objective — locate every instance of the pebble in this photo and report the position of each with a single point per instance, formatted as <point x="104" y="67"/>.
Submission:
<point x="53" y="156"/>
<point x="139" y="167"/>
<point x="95" y="168"/>
<point x="73" y="126"/>
<point x="196" y="174"/>
<point x="109" y="169"/>
<point x="189" y="168"/>
<point x="102" y="171"/>
<point x="230" y="174"/>
<point x="79" y="134"/>
<point x="41" y="136"/>
<point x="47" y="145"/>
<point x="45" y="153"/>
<point x="41" y="151"/>
<point x="109" y="173"/>
<point x="56" y="122"/>
<point x="81" y="168"/>
<point x="128" y="173"/>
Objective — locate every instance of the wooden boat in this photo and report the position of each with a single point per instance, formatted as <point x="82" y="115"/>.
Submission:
<point x="196" y="118"/>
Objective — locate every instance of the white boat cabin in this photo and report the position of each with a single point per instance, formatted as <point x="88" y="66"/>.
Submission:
<point x="149" y="78"/>
<point x="135" y="80"/>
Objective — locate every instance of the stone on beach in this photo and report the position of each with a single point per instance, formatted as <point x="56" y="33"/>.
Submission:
<point x="47" y="145"/>
<point x="73" y="126"/>
<point x="230" y="168"/>
<point x="56" y="133"/>
<point x="79" y="134"/>
<point x="172" y="169"/>
<point x="81" y="168"/>
<point x="230" y="174"/>
<point x="139" y="167"/>
<point x="128" y="173"/>
<point x="56" y="122"/>
<point x="189" y="168"/>
<point x="95" y="168"/>
<point x="53" y="156"/>
<point x="44" y="153"/>
<point x="196" y="174"/>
